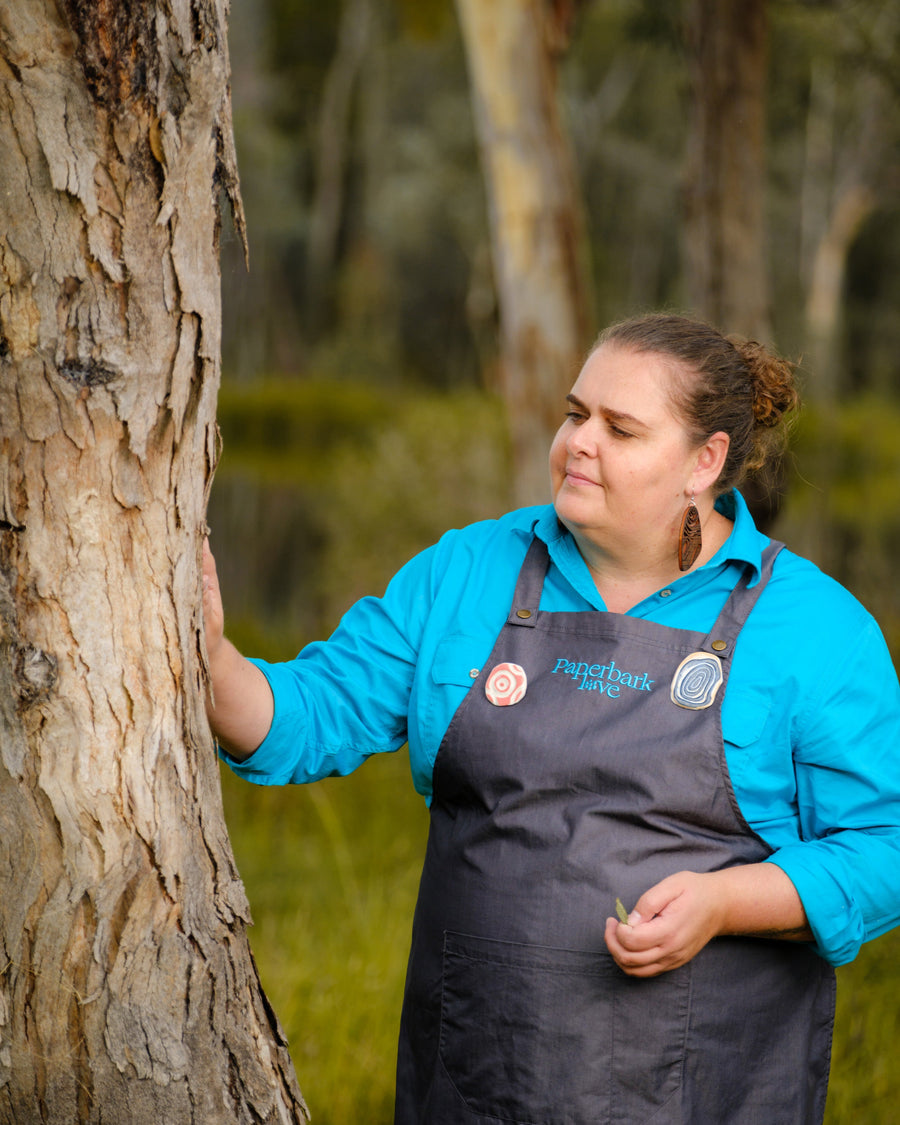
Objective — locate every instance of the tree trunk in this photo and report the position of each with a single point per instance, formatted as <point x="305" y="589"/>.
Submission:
<point x="725" y="189"/>
<point x="128" y="993"/>
<point x="332" y="152"/>
<point x="845" y="174"/>
<point x="537" y="234"/>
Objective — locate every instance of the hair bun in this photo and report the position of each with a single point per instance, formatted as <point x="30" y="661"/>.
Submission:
<point x="772" y="378"/>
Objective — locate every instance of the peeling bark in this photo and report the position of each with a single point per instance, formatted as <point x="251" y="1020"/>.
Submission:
<point x="128" y="993"/>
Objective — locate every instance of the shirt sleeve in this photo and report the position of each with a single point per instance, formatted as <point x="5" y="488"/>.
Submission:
<point x="846" y="868"/>
<point x="342" y="700"/>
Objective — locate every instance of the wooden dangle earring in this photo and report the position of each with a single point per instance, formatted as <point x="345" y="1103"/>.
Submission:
<point x="690" y="538"/>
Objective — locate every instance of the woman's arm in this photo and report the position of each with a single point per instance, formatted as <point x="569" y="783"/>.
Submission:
<point x="240" y="706"/>
<point x="674" y="920"/>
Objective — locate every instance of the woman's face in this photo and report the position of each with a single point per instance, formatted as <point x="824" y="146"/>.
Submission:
<point x="621" y="465"/>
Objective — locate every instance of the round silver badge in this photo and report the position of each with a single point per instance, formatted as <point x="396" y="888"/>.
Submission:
<point x="697" y="679"/>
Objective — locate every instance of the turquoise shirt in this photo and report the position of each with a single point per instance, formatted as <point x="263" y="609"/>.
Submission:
<point x="811" y="715"/>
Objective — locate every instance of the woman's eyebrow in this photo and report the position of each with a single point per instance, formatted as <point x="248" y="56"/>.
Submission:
<point x="608" y="412"/>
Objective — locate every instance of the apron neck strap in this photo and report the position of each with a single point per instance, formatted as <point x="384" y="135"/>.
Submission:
<point x="722" y="637"/>
<point x="527" y="597"/>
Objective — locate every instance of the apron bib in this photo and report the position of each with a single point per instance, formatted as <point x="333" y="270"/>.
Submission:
<point x="587" y="763"/>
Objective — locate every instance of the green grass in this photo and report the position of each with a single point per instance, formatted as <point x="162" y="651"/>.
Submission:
<point x="332" y="872"/>
<point x="865" y="1077"/>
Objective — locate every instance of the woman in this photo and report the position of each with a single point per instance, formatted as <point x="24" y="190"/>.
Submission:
<point x="631" y="695"/>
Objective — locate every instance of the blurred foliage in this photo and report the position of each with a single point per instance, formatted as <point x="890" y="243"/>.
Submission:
<point x="304" y="512"/>
<point x="408" y="294"/>
<point x="843" y="505"/>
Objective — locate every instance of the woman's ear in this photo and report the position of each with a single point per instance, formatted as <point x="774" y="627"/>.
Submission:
<point x="710" y="461"/>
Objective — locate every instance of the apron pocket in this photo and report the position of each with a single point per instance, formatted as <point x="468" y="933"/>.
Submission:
<point x="536" y="1035"/>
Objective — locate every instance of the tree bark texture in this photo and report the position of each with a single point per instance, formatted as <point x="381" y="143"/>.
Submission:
<point x="725" y="243"/>
<point x="128" y="993"/>
<point x="537" y="229"/>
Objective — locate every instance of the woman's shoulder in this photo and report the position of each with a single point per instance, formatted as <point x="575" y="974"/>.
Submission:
<point x="515" y="526"/>
<point x="802" y="592"/>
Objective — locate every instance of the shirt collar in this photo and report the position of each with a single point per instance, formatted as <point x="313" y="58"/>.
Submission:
<point x="745" y="544"/>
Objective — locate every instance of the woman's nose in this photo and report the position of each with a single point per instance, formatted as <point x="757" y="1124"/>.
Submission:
<point x="582" y="439"/>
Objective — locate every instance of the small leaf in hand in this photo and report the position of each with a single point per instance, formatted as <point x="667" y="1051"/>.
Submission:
<point x="621" y="911"/>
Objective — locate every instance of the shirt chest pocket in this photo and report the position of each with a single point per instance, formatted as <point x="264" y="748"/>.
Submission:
<point x="457" y="661"/>
<point x="745" y="713"/>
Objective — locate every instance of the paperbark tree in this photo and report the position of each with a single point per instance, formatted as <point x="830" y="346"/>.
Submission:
<point x="537" y="231"/>
<point x="724" y="238"/>
<point x="128" y="993"/>
<point x="849" y="172"/>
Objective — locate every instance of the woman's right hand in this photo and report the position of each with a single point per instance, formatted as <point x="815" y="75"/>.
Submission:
<point x="239" y="706"/>
<point x="213" y="611"/>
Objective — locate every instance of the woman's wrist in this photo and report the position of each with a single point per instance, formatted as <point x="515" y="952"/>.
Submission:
<point x="240" y="705"/>
<point x="759" y="899"/>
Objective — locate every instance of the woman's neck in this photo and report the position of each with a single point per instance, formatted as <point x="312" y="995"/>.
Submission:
<point x="625" y="578"/>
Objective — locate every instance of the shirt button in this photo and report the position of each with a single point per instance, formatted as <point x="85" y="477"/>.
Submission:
<point x="473" y="673"/>
<point x="665" y="593"/>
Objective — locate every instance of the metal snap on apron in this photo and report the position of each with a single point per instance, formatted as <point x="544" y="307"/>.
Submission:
<point x="586" y="763"/>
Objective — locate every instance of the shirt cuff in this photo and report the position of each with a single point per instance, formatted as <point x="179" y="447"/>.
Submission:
<point x="268" y="764"/>
<point x="820" y="881"/>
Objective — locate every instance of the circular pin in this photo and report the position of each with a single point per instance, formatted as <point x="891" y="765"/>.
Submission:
<point x="506" y="685"/>
<point x="697" y="679"/>
<point x="720" y="645"/>
<point x="523" y="613"/>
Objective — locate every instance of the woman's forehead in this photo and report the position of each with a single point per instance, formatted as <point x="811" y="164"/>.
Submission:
<point x="626" y="381"/>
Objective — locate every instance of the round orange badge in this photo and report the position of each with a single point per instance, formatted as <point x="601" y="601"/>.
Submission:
<point x="506" y="685"/>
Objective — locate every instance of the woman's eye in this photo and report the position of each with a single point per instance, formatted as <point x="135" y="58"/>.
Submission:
<point x="574" y="415"/>
<point x="617" y="431"/>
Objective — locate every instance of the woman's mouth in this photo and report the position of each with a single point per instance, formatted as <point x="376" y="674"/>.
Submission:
<point x="578" y="480"/>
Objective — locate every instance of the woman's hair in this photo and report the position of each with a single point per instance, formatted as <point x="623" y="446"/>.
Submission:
<point x="720" y="383"/>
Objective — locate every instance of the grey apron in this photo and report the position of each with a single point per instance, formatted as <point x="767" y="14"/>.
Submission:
<point x="570" y="776"/>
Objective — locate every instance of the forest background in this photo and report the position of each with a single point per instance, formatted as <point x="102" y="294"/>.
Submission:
<point x="361" y="414"/>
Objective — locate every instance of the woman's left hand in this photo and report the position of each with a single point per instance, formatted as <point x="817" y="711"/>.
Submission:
<point x="668" y="926"/>
<point x="671" y="922"/>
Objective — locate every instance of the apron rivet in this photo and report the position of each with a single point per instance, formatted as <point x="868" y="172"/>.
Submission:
<point x="719" y="645"/>
<point x="523" y="613"/>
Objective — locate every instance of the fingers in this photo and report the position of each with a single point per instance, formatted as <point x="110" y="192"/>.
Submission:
<point x="637" y="947"/>
<point x="209" y="564"/>
<point x="210" y="577"/>
<point x="669" y="925"/>
<point x="213" y="613"/>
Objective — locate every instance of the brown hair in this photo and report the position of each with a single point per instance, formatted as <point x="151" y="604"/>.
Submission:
<point x="722" y="383"/>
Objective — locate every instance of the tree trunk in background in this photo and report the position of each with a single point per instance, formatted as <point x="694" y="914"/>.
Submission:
<point x="128" y="993"/>
<point x="332" y="153"/>
<point x="724" y="229"/>
<point x="537" y="233"/>
<point x="846" y="174"/>
<point x="725" y="244"/>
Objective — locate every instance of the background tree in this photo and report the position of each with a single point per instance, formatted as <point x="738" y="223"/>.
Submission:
<point x="127" y="988"/>
<point x="538" y="235"/>
<point x="850" y="174"/>
<point x="724" y="230"/>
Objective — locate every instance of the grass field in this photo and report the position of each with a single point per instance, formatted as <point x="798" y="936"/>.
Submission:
<point x="332" y="871"/>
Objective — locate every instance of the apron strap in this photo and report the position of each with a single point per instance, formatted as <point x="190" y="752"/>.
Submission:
<point x="527" y="597"/>
<point x="722" y="637"/>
